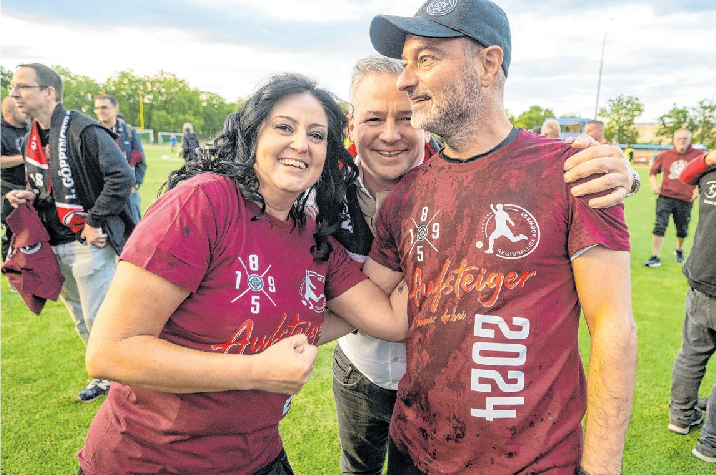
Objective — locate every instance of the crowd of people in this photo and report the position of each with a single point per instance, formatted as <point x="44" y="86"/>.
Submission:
<point x="452" y="274"/>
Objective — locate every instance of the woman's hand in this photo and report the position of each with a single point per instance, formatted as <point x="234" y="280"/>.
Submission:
<point x="285" y="366"/>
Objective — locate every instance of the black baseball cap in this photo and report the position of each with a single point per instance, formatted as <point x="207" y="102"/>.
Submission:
<point x="481" y="20"/>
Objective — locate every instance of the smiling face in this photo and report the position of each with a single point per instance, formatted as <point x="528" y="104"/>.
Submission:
<point x="387" y="144"/>
<point x="442" y="84"/>
<point x="290" y="151"/>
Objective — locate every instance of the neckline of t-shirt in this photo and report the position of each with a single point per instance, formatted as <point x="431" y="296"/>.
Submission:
<point x="253" y="209"/>
<point x="514" y="133"/>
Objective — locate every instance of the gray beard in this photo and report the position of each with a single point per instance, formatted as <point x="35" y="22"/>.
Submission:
<point x="460" y="105"/>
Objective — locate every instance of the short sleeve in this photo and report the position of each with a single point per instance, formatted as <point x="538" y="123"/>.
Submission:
<point x="176" y="236"/>
<point x="656" y="167"/>
<point x="589" y="227"/>
<point x="342" y="272"/>
<point x="387" y="231"/>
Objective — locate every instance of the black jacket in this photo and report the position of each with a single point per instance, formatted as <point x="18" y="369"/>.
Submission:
<point x="102" y="176"/>
<point x="189" y="144"/>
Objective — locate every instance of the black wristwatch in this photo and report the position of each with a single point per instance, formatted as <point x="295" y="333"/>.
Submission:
<point x="635" y="184"/>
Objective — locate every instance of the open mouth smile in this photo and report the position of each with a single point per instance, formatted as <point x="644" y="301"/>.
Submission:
<point x="289" y="162"/>
<point x="389" y="154"/>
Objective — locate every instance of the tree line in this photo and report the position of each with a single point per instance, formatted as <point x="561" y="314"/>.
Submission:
<point x="167" y="102"/>
<point x="621" y="112"/>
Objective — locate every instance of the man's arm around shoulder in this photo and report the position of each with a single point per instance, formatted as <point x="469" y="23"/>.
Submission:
<point x="606" y="303"/>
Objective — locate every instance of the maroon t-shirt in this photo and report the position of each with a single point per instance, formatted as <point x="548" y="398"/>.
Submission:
<point x="672" y="164"/>
<point x="494" y="381"/>
<point x="253" y="283"/>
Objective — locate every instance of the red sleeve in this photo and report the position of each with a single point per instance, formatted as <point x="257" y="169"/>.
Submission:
<point x="656" y="167"/>
<point x="175" y="237"/>
<point x="342" y="272"/>
<point x="388" y="227"/>
<point x="693" y="171"/>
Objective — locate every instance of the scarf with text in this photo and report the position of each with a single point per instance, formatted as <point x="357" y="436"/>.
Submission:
<point x="39" y="176"/>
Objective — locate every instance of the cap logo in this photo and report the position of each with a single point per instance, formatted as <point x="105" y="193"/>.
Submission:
<point x="440" y="7"/>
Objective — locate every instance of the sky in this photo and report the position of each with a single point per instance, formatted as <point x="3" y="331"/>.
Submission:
<point x="661" y="52"/>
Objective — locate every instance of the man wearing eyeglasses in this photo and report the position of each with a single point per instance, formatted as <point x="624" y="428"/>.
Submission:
<point x="106" y="108"/>
<point x="79" y="183"/>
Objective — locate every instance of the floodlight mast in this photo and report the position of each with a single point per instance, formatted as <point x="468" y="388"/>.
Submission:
<point x="599" y="81"/>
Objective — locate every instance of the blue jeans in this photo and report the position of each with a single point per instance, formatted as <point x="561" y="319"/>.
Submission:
<point x="88" y="271"/>
<point x="690" y="366"/>
<point x="136" y="206"/>
<point x="364" y="412"/>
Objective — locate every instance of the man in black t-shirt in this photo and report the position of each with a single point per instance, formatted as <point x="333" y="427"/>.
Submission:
<point x="14" y="128"/>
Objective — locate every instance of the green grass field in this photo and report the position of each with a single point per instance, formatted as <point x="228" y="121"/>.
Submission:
<point x="43" y="370"/>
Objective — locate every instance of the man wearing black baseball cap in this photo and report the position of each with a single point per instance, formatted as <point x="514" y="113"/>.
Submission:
<point x="500" y="257"/>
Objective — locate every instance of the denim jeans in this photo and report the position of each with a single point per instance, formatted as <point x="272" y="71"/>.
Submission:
<point x="690" y="366"/>
<point x="400" y="463"/>
<point x="364" y="412"/>
<point x="88" y="271"/>
<point x="136" y="206"/>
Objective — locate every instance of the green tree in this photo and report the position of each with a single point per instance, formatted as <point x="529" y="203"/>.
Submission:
<point x="703" y="119"/>
<point x="620" y="115"/>
<point x="672" y="121"/>
<point x="533" y="117"/>
<point x="79" y="91"/>
<point x="214" y="110"/>
<point x="128" y="89"/>
<point x="5" y="81"/>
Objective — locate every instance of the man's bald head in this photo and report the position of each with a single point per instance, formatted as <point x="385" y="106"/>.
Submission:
<point x="12" y="114"/>
<point x="550" y="129"/>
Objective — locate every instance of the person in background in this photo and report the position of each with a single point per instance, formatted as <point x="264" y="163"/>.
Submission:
<point x="189" y="142"/>
<point x="81" y="195"/>
<point x="699" y="332"/>
<point x="629" y="152"/>
<point x="674" y="197"/>
<point x="107" y="109"/>
<point x="366" y="370"/>
<point x="14" y="128"/>
<point x="500" y="257"/>
<point x="595" y="129"/>
<point x="173" y="142"/>
<point x="550" y="129"/>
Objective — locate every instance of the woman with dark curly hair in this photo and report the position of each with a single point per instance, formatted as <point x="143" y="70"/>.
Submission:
<point x="212" y="320"/>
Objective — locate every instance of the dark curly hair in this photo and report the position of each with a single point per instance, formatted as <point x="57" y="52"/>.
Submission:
<point x="233" y="154"/>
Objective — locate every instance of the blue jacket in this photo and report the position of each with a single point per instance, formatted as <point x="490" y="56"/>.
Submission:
<point x="129" y="141"/>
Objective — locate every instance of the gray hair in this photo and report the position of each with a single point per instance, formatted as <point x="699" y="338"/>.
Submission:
<point x="188" y="128"/>
<point x="374" y="63"/>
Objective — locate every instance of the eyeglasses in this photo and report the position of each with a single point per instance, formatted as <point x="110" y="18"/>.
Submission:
<point x="23" y="87"/>
<point x="102" y="108"/>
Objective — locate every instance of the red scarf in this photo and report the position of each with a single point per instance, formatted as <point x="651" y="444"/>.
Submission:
<point x="71" y="213"/>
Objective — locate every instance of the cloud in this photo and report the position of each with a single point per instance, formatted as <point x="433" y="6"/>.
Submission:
<point x="661" y="55"/>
